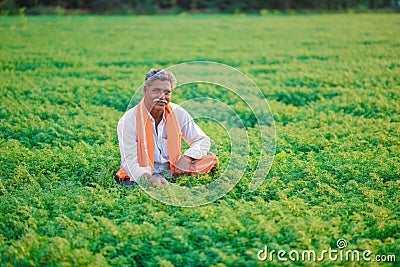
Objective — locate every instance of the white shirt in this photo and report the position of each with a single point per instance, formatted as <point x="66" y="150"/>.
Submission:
<point x="198" y="141"/>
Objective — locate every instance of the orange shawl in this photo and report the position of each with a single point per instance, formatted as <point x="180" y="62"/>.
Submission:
<point x="144" y="134"/>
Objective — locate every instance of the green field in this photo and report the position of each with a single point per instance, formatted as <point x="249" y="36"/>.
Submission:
<point x="333" y="85"/>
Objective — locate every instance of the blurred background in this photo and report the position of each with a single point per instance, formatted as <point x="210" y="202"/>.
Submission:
<point x="50" y="7"/>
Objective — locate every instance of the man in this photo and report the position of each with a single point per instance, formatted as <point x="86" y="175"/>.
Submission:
<point x="150" y="136"/>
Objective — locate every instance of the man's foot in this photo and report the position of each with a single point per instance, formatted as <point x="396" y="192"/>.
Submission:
<point x="124" y="182"/>
<point x="127" y="182"/>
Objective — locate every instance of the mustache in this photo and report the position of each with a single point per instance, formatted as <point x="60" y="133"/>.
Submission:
<point x="160" y="100"/>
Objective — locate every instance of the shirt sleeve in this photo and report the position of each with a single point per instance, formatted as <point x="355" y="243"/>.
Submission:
<point x="198" y="141"/>
<point x="128" y="146"/>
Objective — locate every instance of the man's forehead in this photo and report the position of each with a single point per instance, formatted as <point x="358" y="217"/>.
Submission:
<point x="160" y="84"/>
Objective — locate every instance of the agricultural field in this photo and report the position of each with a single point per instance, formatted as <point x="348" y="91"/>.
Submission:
<point x="331" y="81"/>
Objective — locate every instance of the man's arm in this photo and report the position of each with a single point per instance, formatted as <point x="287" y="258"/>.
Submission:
<point x="128" y="146"/>
<point x="198" y="141"/>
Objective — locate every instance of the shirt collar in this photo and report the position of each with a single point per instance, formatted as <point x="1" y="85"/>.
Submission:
<point x="151" y="117"/>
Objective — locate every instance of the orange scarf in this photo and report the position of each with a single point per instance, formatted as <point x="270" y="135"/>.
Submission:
<point x="144" y="134"/>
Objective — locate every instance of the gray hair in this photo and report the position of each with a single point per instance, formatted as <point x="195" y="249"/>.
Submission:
<point x="160" y="74"/>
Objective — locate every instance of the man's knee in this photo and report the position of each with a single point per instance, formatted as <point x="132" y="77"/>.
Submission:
<point x="205" y="164"/>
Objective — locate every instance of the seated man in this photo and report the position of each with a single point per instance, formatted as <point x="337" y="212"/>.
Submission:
<point x="150" y="136"/>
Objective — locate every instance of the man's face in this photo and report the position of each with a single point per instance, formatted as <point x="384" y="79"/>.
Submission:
<point x="157" y="95"/>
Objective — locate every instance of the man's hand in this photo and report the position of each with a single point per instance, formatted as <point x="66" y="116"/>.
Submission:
<point x="183" y="166"/>
<point x="155" y="180"/>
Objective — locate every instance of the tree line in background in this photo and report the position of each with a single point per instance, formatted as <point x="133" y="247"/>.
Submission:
<point x="176" y="6"/>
